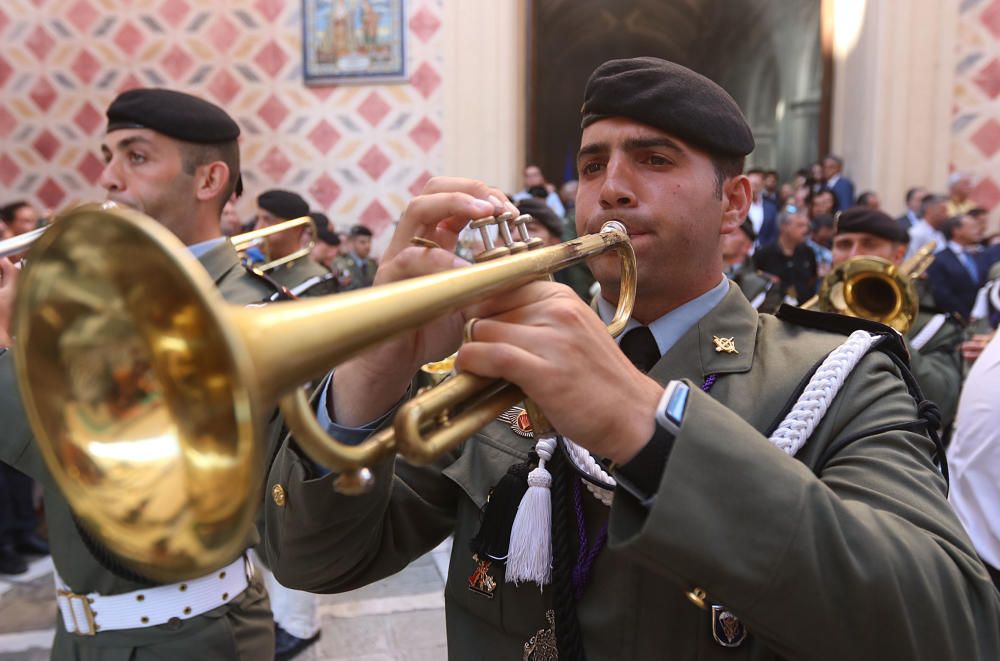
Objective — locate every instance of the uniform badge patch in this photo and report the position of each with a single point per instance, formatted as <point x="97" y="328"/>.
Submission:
<point x="725" y="344"/>
<point x="542" y="646"/>
<point x="518" y="420"/>
<point x="727" y="629"/>
<point x="480" y="581"/>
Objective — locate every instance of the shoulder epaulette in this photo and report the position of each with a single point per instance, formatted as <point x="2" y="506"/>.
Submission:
<point x="892" y="341"/>
<point x="278" y="292"/>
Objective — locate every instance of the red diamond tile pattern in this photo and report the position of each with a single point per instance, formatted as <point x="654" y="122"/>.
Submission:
<point x="271" y="59"/>
<point x="374" y="108"/>
<point x="81" y="15"/>
<point x="86" y="66"/>
<point x="324" y="136"/>
<point x="374" y="162"/>
<point x="273" y="112"/>
<point x="46" y="144"/>
<point x="39" y="42"/>
<point x="325" y="190"/>
<point x="60" y="73"/>
<point x="425" y="79"/>
<point x="426" y="134"/>
<point x="424" y="23"/>
<point x="988" y="79"/>
<point x="129" y="38"/>
<point x="976" y="139"/>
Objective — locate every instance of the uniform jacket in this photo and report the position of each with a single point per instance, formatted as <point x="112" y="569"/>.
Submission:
<point x="937" y="365"/>
<point x="240" y="629"/>
<point x="304" y="277"/>
<point x="345" y="264"/>
<point x="848" y="551"/>
<point x="759" y="289"/>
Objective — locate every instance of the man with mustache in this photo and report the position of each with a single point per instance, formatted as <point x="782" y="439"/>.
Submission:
<point x="738" y="486"/>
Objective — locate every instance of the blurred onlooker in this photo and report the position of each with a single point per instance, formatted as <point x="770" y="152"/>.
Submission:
<point x="771" y="186"/>
<point x="868" y="199"/>
<point x="821" y="242"/>
<point x="567" y="195"/>
<point x="759" y="288"/>
<point x="356" y="269"/>
<point x="959" y="189"/>
<point x="842" y="187"/>
<point x="914" y="198"/>
<point x="19" y="217"/>
<point x="326" y="248"/>
<point x="956" y="274"/>
<point x="933" y="215"/>
<point x="230" y="221"/>
<point x="785" y="194"/>
<point x="974" y="458"/>
<point x="823" y="202"/>
<point x="817" y="179"/>
<point x="789" y="258"/>
<point x="763" y="212"/>
<point x="533" y="178"/>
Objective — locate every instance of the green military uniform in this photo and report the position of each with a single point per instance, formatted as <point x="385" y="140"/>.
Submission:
<point x="934" y="342"/>
<point x="352" y="274"/>
<point x="304" y="277"/>
<point x="241" y="629"/>
<point x="758" y="288"/>
<point x="848" y="551"/>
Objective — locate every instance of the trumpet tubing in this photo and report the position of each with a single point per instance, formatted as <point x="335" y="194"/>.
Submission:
<point x="149" y="396"/>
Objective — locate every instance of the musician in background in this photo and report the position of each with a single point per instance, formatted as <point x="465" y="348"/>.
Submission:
<point x="759" y="288"/>
<point x="934" y="337"/>
<point x="174" y="157"/>
<point x="356" y="268"/>
<point x="301" y="276"/>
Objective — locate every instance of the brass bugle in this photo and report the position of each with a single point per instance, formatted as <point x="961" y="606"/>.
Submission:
<point x="246" y="240"/>
<point x="875" y="289"/>
<point x="18" y="244"/>
<point x="149" y="396"/>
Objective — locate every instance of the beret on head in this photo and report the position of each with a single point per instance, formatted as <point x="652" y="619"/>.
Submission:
<point x="283" y="204"/>
<point x="747" y="228"/>
<point x="871" y="221"/>
<point x="326" y="236"/>
<point x="360" y="230"/>
<point x="542" y="213"/>
<point x="671" y="98"/>
<point x="174" y="114"/>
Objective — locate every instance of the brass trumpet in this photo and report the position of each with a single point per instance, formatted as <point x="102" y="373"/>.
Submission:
<point x="245" y="241"/>
<point x="875" y="289"/>
<point x="149" y="396"/>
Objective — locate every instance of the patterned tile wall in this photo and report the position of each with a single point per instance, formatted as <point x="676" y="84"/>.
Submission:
<point x="975" y="144"/>
<point x="357" y="152"/>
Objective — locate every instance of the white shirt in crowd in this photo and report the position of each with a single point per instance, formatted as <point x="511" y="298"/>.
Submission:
<point x="921" y="233"/>
<point x="974" y="455"/>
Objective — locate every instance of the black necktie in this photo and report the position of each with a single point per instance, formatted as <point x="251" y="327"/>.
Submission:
<point x="639" y="346"/>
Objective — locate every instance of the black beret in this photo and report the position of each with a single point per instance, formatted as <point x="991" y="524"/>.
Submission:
<point x="174" y="114"/>
<point x="671" y="98"/>
<point x="542" y="213"/>
<point x="747" y="228"/>
<point x="320" y="219"/>
<point x="360" y="230"/>
<point x="283" y="204"/>
<point x="326" y="236"/>
<point x="871" y="221"/>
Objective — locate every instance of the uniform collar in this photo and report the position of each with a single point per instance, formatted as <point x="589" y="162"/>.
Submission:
<point x="199" y="249"/>
<point x="219" y="258"/>
<point x="674" y="324"/>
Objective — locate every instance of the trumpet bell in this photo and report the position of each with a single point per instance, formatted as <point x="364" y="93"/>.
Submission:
<point x="871" y="288"/>
<point x="133" y="385"/>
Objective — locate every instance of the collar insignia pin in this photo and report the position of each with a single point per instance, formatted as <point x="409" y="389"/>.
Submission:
<point x="724" y="344"/>
<point x="727" y="630"/>
<point x="480" y="581"/>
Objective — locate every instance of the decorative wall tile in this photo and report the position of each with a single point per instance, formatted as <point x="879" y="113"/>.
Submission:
<point x="357" y="153"/>
<point x="975" y="129"/>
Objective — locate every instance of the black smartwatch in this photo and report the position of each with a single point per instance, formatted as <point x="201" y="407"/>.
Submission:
<point x="641" y="476"/>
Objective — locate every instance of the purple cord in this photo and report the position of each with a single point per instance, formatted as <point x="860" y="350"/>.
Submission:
<point x="587" y="555"/>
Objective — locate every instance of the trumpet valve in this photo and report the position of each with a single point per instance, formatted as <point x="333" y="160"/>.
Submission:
<point x="521" y="224"/>
<point x="503" y="224"/>
<point x="492" y="251"/>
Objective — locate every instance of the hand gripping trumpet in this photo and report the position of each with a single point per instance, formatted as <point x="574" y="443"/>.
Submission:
<point x="149" y="396"/>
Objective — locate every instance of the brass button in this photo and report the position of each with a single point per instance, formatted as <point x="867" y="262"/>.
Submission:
<point x="278" y="494"/>
<point x="697" y="597"/>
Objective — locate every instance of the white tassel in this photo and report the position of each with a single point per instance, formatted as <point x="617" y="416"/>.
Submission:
<point x="530" y="553"/>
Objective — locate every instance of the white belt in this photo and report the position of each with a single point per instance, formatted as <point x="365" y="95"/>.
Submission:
<point x="86" y="614"/>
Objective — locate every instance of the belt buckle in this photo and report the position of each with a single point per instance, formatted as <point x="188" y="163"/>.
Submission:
<point x="91" y="629"/>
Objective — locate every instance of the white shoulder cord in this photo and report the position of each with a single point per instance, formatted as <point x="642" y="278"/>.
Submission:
<point x="791" y="434"/>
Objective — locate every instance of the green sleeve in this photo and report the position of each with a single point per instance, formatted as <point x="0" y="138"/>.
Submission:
<point x="937" y="366"/>
<point x="864" y="561"/>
